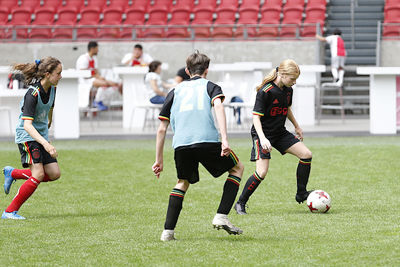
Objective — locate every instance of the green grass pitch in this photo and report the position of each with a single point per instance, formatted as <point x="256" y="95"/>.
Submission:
<point x="108" y="209"/>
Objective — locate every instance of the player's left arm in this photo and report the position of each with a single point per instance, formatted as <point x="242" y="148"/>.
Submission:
<point x="297" y="128"/>
<point x="221" y="120"/>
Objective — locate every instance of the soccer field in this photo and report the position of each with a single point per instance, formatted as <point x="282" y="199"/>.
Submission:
<point x="108" y="209"/>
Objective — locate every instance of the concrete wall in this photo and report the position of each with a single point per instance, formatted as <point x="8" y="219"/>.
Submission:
<point x="390" y="56"/>
<point x="173" y="53"/>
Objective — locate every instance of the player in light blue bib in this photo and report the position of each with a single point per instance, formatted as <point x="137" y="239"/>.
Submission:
<point x="189" y="110"/>
<point x="32" y="133"/>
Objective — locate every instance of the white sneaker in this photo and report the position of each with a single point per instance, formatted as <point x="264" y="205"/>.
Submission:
<point x="221" y="221"/>
<point x="167" y="235"/>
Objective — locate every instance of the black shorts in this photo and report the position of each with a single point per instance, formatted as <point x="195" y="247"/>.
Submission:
<point x="187" y="161"/>
<point x="33" y="152"/>
<point x="281" y="143"/>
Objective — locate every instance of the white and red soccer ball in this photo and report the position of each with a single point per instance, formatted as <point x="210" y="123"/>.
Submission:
<point x="319" y="201"/>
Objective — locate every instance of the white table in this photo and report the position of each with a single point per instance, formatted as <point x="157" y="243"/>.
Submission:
<point x="133" y="93"/>
<point x="10" y="98"/>
<point x="303" y="105"/>
<point x="382" y="98"/>
<point x="66" y="109"/>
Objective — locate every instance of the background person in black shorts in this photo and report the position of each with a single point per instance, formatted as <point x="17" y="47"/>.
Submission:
<point x="272" y="107"/>
<point x="181" y="75"/>
<point x="188" y="107"/>
<point x="32" y="133"/>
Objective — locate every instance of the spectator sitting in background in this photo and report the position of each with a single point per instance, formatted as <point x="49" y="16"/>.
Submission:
<point x="137" y="58"/>
<point x="155" y="86"/>
<point x="181" y="75"/>
<point x="101" y="87"/>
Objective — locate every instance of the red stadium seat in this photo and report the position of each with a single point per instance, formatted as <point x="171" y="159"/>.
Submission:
<point x="4" y="11"/>
<point x="55" y="4"/>
<point x="202" y="16"/>
<point x="271" y="18"/>
<point x="316" y="3"/>
<point x="222" y="32"/>
<point x="392" y="14"/>
<point x="183" y="4"/>
<point x="140" y="4"/>
<point x="96" y="3"/>
<point x="391" y="31"/>
<point x="228" y="4"/>
<point x="294" y="3"/>
<point x="89" y="16"/>
<point x="180" y="16"/>
<point x="315" y="13"/>
<point x="274" y="4"/>
<point x="157" y="16"/>
<point x="119" y="3"/>
<point x="160" y="4"/>
<point x="9" y="4"/>
<point x="44" y="16"/>
<point x="178" y="32"/>
<point x="134" y="16"/>
<point x="20" y="17"/>
<point x="226" y="16"/>
<point x="30" y="4"/>
<point x="292" y="15"/>
<point x="247" y="16"/>
<point x="66" y="16"/>
<point x="205" y="4"/>
<point x="250" y="3"/>
<point x="76" y="4"/>
<point x="311" y="30"/>
<point x="111" y="16"/>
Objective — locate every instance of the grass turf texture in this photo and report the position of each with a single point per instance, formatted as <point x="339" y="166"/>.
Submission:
<point x="108" y="209"/>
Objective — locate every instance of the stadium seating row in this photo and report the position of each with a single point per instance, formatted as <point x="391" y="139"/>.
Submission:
<point x="392" y="15"/>
<point x="92" y="13"/>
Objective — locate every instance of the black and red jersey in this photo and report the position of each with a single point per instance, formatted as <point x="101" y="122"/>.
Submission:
<point x="272" y="105"/>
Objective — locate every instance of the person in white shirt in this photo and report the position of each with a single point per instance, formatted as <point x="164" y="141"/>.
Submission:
<point x="102" y="87"/>
<point x="156" y="88"/>
<point x="338" y="55"/>
<point x="137" y="58"/>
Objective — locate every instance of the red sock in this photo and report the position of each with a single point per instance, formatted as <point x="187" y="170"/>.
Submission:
<point x="21" y="174"/>
<point x="24" y="192"/>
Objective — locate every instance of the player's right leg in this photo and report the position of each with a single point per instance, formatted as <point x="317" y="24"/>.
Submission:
<point x="174" y="208"/>
<point x="24" y="192"/>
<point x="251" y="185"/>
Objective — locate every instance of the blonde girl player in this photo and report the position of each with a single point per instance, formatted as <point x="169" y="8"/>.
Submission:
<point x="272" y="107"/>
<point x="32" y="134"/>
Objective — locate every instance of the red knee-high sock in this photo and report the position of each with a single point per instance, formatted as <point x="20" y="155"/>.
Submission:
<point x="24" y="192"/>
<point x="25" y="174"/>
<point x="21" y="174"/>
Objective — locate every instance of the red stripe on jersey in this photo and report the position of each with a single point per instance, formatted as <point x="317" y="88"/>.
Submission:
<point x="341" y="50"/>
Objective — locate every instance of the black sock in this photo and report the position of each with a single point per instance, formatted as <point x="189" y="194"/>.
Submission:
<point x="231" y="188"/>
<point x="174" y="208"/>
<point x="251" y="186"/>
<point x="303" y="172"/>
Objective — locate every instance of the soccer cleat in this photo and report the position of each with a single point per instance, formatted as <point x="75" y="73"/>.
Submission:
<point x="300" y="198"/>
<point x="167" y="235"/>
<point x="100" y="105"/>
<point x="8" y="180"/>
<point x="12" y="215"/>
<point x="221" y="221"/>
<point x="240" y="208"/>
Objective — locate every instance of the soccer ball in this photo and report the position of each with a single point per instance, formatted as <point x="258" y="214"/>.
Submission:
<point x="319" y="201"/>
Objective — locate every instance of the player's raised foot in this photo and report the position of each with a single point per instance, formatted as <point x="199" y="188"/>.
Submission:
<point x="12" y="215"/>
<point x="301" y="197"/>
<point x="8" y="180"/>
<point x="240" y="208"/>
<point x="168" y="235"/>
<point x="221" y="221"/>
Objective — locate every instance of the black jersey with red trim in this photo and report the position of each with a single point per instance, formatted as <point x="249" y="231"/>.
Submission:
<point x="272" y="104"/>
<point x="31" y="99"/>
